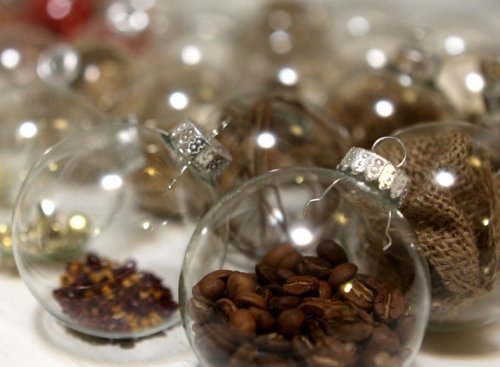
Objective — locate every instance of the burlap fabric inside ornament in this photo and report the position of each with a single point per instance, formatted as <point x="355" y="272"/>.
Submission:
<point x="452" y="220"/>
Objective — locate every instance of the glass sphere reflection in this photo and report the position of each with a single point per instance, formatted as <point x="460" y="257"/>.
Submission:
<point x="103" y="193"/>
<point x="267" y="131"/>
<point x="267" y="212"/>
<point x="33" y="118"/>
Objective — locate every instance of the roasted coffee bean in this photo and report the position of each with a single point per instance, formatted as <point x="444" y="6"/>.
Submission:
<point x="314" y="330"/>
<point x="282" y="256"/>
<point x="300" y="284"/>
<point x="219" y="337"/>
<point x="277" y="361"/>
<point x="342" y="273"/>
<point x="389" y="304"/>
<point x="240" y="282"/>
<point x="316" y="266"/>
<point x="354" y="331"/>
<point x="279" y="304"/>
<point x="210" y="287"/>
<point x="250" y="299"/>
<point x="273" y="343"/>
<point x="244" y="356"/>
<point x="202" y="310"/>
<point x="226" y="306"/>
<point x="264" y="292"/>
<point x="324" y="289"/>
<point x="318" y="307"/>
<point x="377" y="358"/>
<point x="404" y="327"/>
<point x="383" y="338"/>
<point x="357" y="293"/>
<point x="266" y="274"/>
<point x="243" y="322"/>
<point x="284" y="274"/>
<point x="343" y="353"/>
<point x="331" y="251"/>
<point x="370" y="281"/>
<point x="302" y="347"/>
<point x="265" y="321"/>
<point x="290" y="322"/>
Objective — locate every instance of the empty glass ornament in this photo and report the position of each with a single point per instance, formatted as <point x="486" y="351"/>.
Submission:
<point x="372" y="103"/>
<point x="453" y="207"/>
<point x="266" y="131"/>
<point x="97" y="70"/>
<point x="20" y="46"/>
<point x="132" y="195"/>
<point x="292" y="261"/>
<point x="33" y="118"/>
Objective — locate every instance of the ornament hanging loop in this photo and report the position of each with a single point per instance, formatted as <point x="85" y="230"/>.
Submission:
<point x="385" y="138"/>
<point x="322" y="196"/>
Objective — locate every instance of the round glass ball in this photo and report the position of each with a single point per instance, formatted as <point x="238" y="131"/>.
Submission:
<point x="270" y="130"/>
<point x="453" y="207"/>
<point x="261" y="272"/>
<point x="33" y="118"/>
<point x="99" y="230"/>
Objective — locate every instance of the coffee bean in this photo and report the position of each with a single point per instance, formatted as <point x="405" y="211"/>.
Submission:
<point x="302" y="347"/>
<point x="250" y="299"/>
<point x="376" y="358"/>
<point x="342" y="273"/>
<point x="279" y="254"/>
<point x="357" y="293"/>
<point x="314" y="330"/>
<point x="300" y="284"/>
<point x="284" y="274"/>
<point x="266" y="274"/>
<point x="343" y="353"/>
<point x="383" y="338"/>
<point x="240" y="282"/>
<point x="404" y="327"/>
<point x="355" y="331"/>
<point x="324" y="289"/>
<point x="316" y="266"/>
<point x="277" y="361"/>
<point x="264" y="319"/>
<point x="226" y="306"/>
<point x="244" y="356"/>
<point x="332" y="252"/>
<point x="273" y="343"/>
<point x="220" y="338"/>
<point x="279" y="304"/>
<point x="317" y="307"/>
<point x="290" y="322"/>
<point x="389" y="304"/>
<point x="210" y="287"/>
<point x="202" y="310"/>
<point x="370" y="281"/>
<point x="243" y="322"/>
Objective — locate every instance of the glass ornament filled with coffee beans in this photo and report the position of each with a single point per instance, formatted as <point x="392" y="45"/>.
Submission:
<point x="308" y="266"/>
<point x="374" y="102"/>
<point x="274" y="129"/>
<point x="102" y="221"/>
<point x="453" y="206"/>
<point x="33" y="118"/>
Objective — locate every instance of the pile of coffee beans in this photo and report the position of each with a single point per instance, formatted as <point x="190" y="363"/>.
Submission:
<point x="300" y="310"/>
<point x="102" y="295"/>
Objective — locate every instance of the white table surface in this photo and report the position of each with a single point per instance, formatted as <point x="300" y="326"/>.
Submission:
<point x="30" y="337"/>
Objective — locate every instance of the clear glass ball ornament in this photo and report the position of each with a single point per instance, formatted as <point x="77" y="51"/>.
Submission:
<point x="453" y="206"/>
<point x="270" y="130"/>
<point x="20" y="46"/>
<point x="187" y="75"/>
<point x="239" y="290"/>
<point x="97" y="70"/>
<point x="461" y="40"/>
<point x="33" y="118"/>
<point x="280" y="34"/>
<point x="100" y="226"/>
<point x="372" y="103"/>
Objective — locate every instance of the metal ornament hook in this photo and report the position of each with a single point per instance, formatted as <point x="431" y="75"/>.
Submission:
<point x="384" y="138"/>
<point x="322" y="196"/>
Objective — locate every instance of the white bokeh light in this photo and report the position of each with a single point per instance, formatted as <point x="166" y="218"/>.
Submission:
<point x="454" y="45"/>
<point x="48" y="207"/>
<point x="445" y="178"/>
<point x="474" y="82"/>
<point x="376" y="58"/>
<point x="288" y="76"/>
<point x="10" y="58"/>
<point x="178" y="100"/>
<point x="358" y="26"/>
<point x="384" y="108"/>
<point x="28" y="129"/>
<point x="191" y="55"/>
<point x="266" y="140"/>
<point x="301" y="236"/>
<point x="111" y="182"/>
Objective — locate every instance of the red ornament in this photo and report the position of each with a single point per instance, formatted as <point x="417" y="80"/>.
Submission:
<point x="64" y="17"/>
